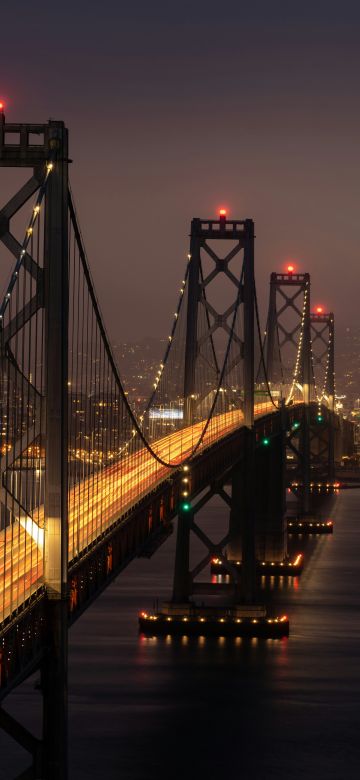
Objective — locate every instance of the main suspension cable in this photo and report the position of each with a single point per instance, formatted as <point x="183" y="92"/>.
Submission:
<point x="111" y="358"/>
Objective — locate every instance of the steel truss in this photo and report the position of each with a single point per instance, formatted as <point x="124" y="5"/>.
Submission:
<point x="242" y="233"/>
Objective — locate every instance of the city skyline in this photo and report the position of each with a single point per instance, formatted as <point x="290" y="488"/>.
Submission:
<point x="267" y="128"/>
<point x="179" y="390"/>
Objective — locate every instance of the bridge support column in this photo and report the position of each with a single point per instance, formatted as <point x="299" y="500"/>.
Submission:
<point x="181" y="586"/>
<point x="306" y="381"/>
<point x="305" y="462"/>
<point x="331" y="397"/>
<point x="248" y="485"/>
<point x="54" y="690"/>
<point x="191" y="324"/>
<point x="271" y="541"/>
<point x="331" y="468"/>
<point x="49" y="161"/>
<point x="56" y="482"/>
<point x="242" y="519"/>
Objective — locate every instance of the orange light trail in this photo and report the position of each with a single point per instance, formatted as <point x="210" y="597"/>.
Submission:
<point x="130" y="480"/>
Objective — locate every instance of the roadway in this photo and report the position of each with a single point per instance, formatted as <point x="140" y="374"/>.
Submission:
<point x="98" y="501"/>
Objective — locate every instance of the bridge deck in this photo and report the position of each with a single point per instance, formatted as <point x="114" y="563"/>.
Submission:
<point x="104" y="498"/>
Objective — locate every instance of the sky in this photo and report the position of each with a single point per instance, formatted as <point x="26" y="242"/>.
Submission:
<point x="177" y="108"/>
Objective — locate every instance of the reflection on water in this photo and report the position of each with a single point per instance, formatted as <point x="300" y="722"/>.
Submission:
<point x="145" y="708"/>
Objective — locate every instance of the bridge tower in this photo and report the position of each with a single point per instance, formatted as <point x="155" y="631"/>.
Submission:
<point x="235" y="459"/>
<point x="324" y="428"/>
<point x="241" y="531"/>
<point x="42" y="148"/>
<point x="288" y="358"/>
<point x="241" y="234"/>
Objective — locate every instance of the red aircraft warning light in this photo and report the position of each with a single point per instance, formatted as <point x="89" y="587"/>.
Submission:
<point x="319" y="310"/>
<point x="290" y="269"/>
<point x="222" y="212"/>
<point x="2" y="106"/>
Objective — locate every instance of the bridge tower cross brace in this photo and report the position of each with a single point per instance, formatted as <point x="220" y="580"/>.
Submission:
<point x="51" y="149"/>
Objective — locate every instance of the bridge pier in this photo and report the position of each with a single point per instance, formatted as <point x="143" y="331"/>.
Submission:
<point x="54" y="691"/>
<point x="182" y="578"/>
<point x="315" y="477"/>
<point x="242" y="518"/>
<point x="271" y="538"/>
<point x="235" y="610"/>
<point x="267" y="486"/>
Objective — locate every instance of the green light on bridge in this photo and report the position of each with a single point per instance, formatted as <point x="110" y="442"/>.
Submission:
<point x="265" y="442"/>
<point x="185" y="507"/>
<point x="319" y="418"/>
<point x="296" y="425"/>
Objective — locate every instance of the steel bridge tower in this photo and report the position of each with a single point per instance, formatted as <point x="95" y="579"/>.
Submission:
<point x="323" y="432"/>
<point x="310" y="440"/>
<point x="290" y="295"/>
<point x="43" y="148"/>
<point x="242" y="521"/>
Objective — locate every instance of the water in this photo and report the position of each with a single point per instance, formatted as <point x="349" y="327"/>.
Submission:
<point x="142" y="709"/>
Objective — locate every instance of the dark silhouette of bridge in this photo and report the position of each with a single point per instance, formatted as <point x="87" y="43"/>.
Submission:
<point x="86" y="485"/>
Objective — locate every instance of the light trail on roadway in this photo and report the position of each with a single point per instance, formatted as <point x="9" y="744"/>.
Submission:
<point x="100" y="500"/>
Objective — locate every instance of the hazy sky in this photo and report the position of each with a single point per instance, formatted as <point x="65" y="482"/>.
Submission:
<point x="176" y="108"/>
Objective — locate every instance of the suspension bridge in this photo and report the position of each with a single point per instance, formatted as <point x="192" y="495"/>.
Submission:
<point x="87" y="485"/>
